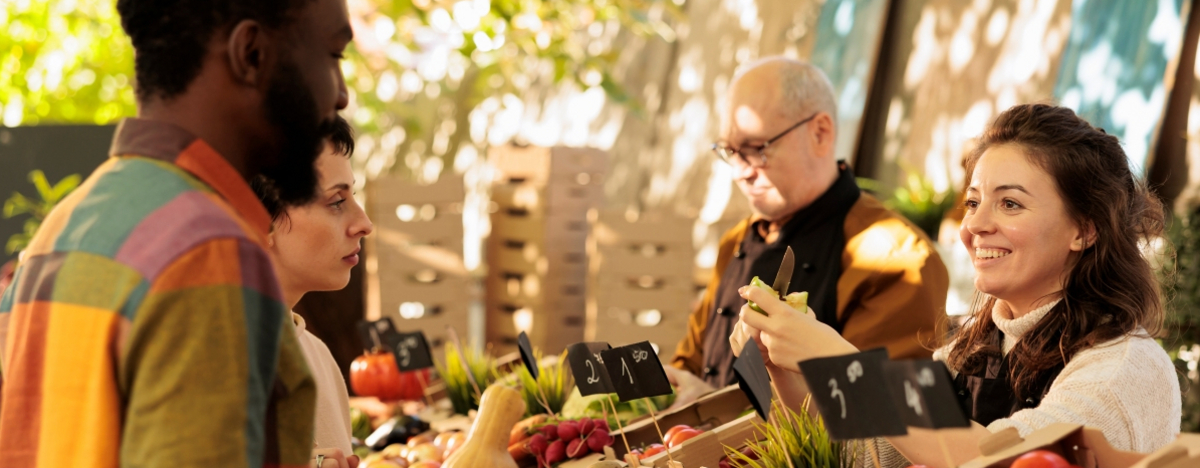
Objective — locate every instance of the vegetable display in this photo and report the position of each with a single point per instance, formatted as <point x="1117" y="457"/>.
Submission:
<point x="375" y="374"/>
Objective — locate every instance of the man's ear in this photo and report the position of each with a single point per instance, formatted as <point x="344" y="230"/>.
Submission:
<point x="824" y="133"/>
<point x="246" y="51"/>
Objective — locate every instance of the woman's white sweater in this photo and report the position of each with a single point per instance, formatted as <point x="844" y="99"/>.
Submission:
<point x="1127" y="388"/>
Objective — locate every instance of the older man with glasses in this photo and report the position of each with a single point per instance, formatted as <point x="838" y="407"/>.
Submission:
<point x="870" y="274"/>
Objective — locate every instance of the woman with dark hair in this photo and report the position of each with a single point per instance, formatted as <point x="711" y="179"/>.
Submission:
<point x="1062" y="328"/>
<point x="314" y="245"/>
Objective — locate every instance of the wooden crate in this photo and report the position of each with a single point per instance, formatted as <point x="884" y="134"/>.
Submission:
<point x="537" y="164"/>
<point x="388" y="191"/>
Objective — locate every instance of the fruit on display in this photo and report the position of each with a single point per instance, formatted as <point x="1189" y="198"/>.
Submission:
<point x="360" y="424"/>
<point x="419" y="451"/>
<point x="397" y="430"/>
<point x="680" y="437"/>
<point x="375" y="374"/>
<point x="746" y="451"/>
<point x="555" y="441"/>
<point x="500" y="409"/>
<point x="1040" y="459"/>
<point x="593" y="406"/>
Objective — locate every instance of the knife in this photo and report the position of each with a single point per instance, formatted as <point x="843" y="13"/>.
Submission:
<point x="783" y="278"/>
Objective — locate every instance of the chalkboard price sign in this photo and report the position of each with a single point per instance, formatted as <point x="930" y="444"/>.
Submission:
<point x="853" y="396"/>
<point x="635" y="371"/>
<point x="753" y="379"/>
<point x="923" y="393"/>
<point x="411" y="351"/>
<point x="587" y="366"/>
<point x="527" y="356"/>
<point x="374" y="333"/>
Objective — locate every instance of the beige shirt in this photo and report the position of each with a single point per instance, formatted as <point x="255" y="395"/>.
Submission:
<point x="1125" y="387"/>
<point x="333" y="402"/>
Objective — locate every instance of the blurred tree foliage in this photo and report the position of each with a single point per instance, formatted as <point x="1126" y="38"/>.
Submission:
<point x="417" y="68"/>
<point x="63" y="62"/>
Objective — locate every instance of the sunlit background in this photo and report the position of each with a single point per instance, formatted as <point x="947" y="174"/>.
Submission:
<point x="438" y="85"/>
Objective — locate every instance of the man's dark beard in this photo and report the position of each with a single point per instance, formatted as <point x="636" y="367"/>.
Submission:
<point x="292" y="110"/>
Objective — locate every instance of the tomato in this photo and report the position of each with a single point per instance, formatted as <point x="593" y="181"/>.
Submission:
<point x="375" y="374"/>
<point x="674" y="430"/>
<point x="652" y="450"/>
<point x="1040" y="459"/>
<point x="681" y="437"/>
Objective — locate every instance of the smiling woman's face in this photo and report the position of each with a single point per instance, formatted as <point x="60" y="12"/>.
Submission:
<point x="317" y="244"/>
<point x="1017" y="230"/>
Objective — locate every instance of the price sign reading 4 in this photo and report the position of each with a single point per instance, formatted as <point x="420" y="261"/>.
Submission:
<point x="587" y="366"/>
<point x="635" y="371"/>
<point x="924" y="393"/>
<point x="412" y="351"/>
<point x="856" y="403"/>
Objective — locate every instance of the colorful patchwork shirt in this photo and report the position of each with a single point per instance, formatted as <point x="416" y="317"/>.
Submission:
<point x="145" y="325"/>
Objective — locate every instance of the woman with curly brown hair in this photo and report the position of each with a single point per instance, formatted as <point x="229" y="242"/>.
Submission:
<point x="1062" y="330"/>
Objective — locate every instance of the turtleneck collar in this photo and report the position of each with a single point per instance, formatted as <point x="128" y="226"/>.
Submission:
<point x="1014" y="329"/>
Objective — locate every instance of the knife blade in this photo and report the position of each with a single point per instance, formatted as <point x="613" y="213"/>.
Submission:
<point x="783" y="278"/>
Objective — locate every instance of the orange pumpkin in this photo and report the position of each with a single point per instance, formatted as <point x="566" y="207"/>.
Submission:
<point x="375" y="374"/>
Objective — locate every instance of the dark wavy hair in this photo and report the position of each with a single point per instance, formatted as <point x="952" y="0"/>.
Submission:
<point x="1111" y="290"/>
<point x="171" y="37"/>
<point x="342" y="140"/>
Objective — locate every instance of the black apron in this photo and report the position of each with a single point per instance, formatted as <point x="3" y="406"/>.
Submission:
<point x="817" y="237"/>
<point x="990" y="396"/>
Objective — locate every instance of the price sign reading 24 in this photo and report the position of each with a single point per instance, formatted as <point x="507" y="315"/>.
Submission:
<point x="588" y="368"/>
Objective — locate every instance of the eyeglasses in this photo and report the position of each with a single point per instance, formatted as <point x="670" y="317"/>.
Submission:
<point x="753" y="155"/>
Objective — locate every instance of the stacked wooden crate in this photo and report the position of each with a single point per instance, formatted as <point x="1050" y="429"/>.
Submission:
<point x="642" y="281"/>
<point x="422" y="283"/>
<point x="537" y="249"/>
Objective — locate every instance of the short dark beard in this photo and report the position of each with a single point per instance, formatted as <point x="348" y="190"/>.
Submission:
<point x="292" y="110"/>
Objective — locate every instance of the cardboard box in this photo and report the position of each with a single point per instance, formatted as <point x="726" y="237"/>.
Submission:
<point x="1084" y="447"/>
<point x="708" y="448"/>
<point x="710" y="411"/>
<point x="1184" y="452"/>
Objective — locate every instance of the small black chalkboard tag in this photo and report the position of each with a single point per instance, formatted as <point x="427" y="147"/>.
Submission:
<point x="377" y="333"/>
<point x="753" y="379"/>
<point x="924" y="395"/>
<point x="853" y="396"/>
<point x="635" y="371"/>
<point x="412" y="351"/>
<point x="527" y="354"/>
<point x="588" y="368"/>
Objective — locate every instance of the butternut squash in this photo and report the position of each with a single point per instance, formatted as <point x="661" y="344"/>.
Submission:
<point x="487" y="443"/>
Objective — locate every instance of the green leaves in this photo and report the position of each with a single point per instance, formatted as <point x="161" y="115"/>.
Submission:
<point x="553" y="383"/>
<point x="458" y="387"/>
<point x="38" y="210"/>
<point x="798" y="436"/>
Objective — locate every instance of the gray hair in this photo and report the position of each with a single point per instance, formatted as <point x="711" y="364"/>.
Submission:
<point x="804" y="88"/>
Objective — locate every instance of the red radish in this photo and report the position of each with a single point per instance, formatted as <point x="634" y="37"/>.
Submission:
<point x="598" y="440"/>
<point x="599" y="430"/>
<point x="538" y="444"/>
<point x="586" y="425"/>
<point x="556" y="452"/>
<point x="568" y="430"/>
<point x="577" y="448"/>
<point x="551" y="431"/>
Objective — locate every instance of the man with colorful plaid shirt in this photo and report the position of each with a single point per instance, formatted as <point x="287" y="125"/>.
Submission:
<point x="145" y="326"/>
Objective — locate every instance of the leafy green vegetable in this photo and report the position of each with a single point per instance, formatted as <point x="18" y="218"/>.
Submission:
<point x="798" y="436"/>
<point x="593" y="406"/>
<point x="553" y="383"/>
<point x="462" y="394"/>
